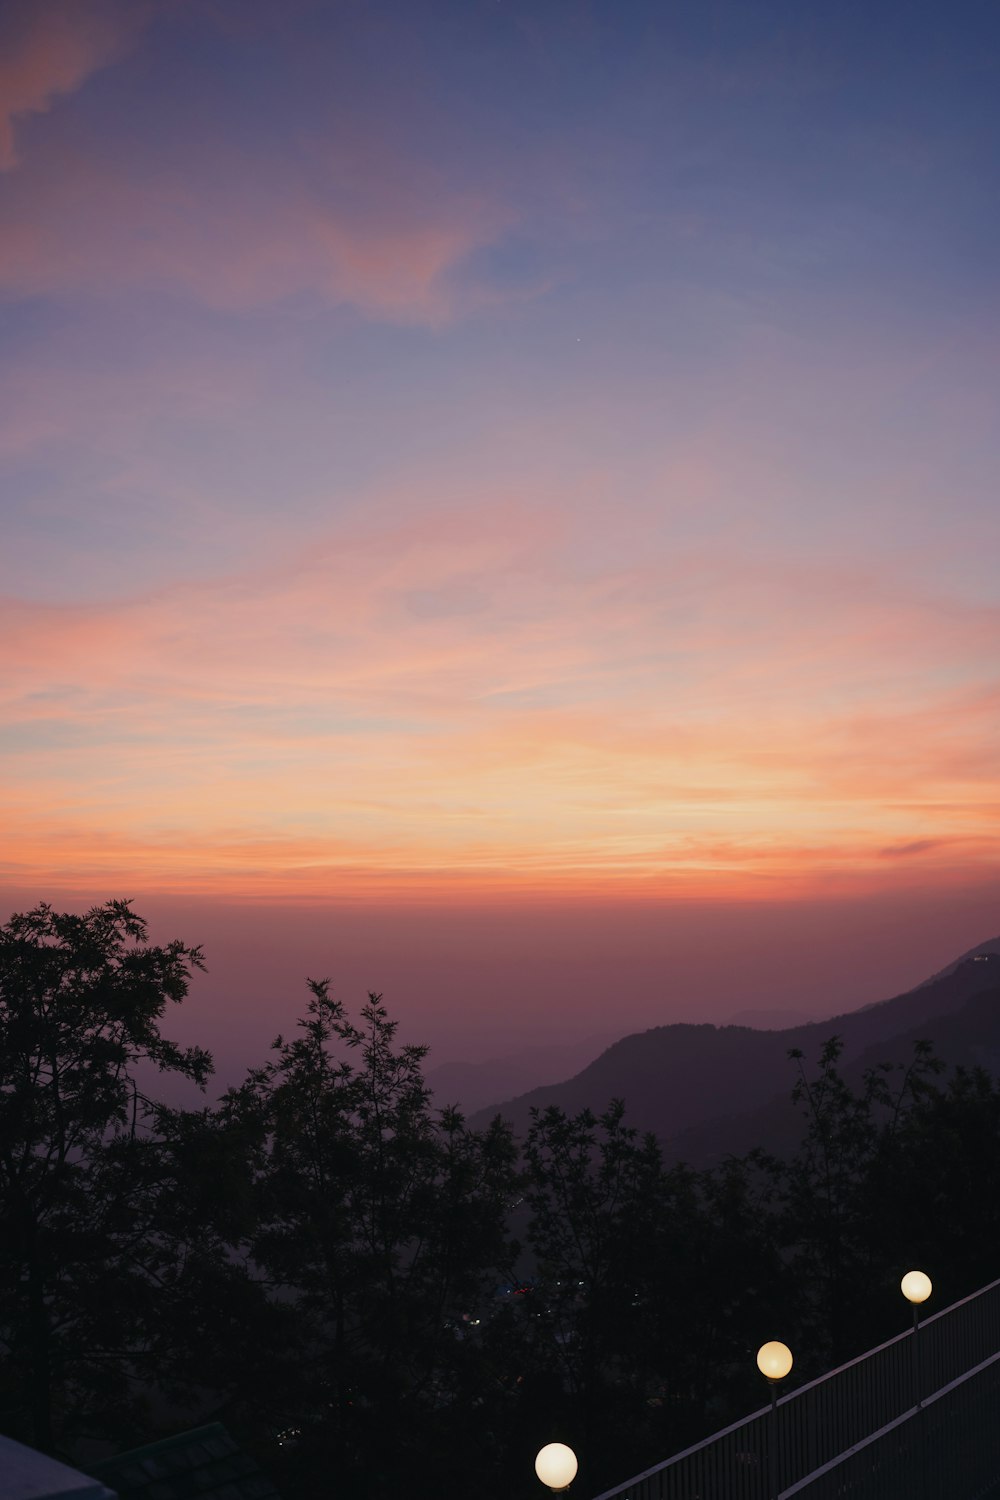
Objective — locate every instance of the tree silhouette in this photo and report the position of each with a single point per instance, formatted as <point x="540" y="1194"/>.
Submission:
<point x="379" y="1220"/>
<point x="81" y="999"/>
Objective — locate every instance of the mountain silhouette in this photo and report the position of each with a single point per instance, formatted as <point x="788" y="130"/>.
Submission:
<point x="708" y="1090"/>
<point x="472" y="1085"/>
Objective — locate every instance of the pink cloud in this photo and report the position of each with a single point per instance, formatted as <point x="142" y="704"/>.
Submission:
<point x="214" y="231"/>
<point x="347" y="214"/>
<point x="50" y="48"/>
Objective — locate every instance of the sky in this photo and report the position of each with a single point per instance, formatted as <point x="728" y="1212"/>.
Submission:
<point x="500" y="497"/>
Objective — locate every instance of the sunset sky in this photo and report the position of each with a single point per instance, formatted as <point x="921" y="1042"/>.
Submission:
<point x="508" y="476"/>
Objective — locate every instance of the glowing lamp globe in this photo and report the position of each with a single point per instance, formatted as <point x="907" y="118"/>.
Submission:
<point x="556" y="1466"/>
<point x="774" y="1360"/>
<point x="915" y="1286"/>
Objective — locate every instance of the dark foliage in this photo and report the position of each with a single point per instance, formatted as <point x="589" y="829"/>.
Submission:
<point x="369" y="1292"/>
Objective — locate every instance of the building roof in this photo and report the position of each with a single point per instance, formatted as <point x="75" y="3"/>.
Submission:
<point x="26" y="1474"/>
<point x="203" y="1464"/>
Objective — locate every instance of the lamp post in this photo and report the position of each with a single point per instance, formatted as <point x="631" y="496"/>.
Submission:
<point x="556" y="1466"/>
<point x="774" y="1360"/>
<point x="916" y="1288"/>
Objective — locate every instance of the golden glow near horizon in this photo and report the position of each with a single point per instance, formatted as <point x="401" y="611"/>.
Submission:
<point x="309" y="728"/>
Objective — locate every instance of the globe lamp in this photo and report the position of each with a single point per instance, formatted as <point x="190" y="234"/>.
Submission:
<point x="556" y="1466"/>
<point x="915" y="1286"/>
<point x="774" y="1360"/>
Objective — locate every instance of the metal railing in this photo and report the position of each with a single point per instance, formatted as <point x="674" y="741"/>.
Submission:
<point x="949" y="1446"/>
<point x="769" y="1452"/>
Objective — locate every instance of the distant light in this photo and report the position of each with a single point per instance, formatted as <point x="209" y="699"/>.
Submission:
<point x="774" y="1360"/>
<point x="556" y="1466"/>
<point x="915" y="1286"/>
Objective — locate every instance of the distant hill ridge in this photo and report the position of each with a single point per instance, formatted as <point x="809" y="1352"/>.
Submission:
<point x="706" y="1090"/>
<point x="474" y="1085"/>
<point x="983" y="951"/>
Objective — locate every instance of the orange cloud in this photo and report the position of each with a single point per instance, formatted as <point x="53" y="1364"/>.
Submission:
<point x="50" y="48"/>
<point x="452" y="700"/>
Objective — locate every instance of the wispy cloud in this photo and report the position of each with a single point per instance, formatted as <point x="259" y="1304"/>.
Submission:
<point x="915" y="846"/>
<point x="454" y="696"/>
